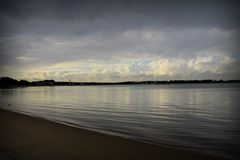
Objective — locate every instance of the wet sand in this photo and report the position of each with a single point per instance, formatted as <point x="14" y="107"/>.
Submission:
<point x="25" y="137"/>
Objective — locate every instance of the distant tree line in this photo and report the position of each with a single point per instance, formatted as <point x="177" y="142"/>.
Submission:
<point x="7" y="81"/>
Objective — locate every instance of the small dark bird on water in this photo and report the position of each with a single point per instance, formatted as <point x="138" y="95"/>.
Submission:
<point x="9" y="104"/>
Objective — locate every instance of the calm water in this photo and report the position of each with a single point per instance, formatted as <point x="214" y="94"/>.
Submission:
<point x="204" y="117"/>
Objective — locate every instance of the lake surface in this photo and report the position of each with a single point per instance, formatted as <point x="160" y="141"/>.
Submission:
<point x="203" y="117"/>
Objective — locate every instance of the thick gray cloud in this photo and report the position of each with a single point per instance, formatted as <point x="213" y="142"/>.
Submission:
<point x="34" y="34"/>
<point x="71" y="17"/>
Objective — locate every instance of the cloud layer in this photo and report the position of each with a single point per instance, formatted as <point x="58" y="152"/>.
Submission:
<point x="119" y="40"/>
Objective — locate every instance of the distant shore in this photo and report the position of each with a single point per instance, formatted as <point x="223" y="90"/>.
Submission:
<point x="25" y="137"/>
<point x="9" y="82"/>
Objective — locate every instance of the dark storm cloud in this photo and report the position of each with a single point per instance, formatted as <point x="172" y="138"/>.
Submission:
<point x="54" y="16"/>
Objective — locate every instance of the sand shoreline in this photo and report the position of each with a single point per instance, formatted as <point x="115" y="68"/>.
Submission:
<point x="25" y="137"/>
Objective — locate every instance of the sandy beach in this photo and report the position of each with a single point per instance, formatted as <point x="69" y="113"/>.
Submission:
<point x="25" y="137"/>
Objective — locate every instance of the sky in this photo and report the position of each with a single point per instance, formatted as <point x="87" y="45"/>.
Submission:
<point x="119" y="40"/>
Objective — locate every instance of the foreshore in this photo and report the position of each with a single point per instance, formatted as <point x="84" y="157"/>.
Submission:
<point x="25" y="137"/>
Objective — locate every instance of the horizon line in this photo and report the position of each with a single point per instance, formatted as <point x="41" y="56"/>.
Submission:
<point x="131" y="81"/>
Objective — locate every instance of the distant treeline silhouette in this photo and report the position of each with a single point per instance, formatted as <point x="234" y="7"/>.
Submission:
<point x="7" y="81"/>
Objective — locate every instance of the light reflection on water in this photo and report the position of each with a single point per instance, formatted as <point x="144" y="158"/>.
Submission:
<point x="199" y="116"/>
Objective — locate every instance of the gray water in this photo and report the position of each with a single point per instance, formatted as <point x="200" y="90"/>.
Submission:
<point x="202" y="117"/>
